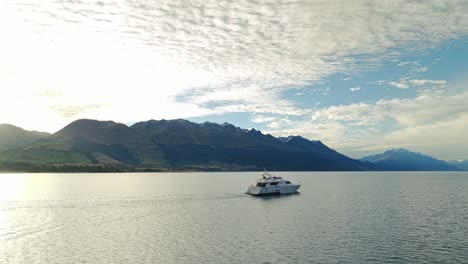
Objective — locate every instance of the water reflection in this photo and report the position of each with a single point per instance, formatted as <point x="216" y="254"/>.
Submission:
<point x="206" y="217"/>
<point x="276" y="196"/>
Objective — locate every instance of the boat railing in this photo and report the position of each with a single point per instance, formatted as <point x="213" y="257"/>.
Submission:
<point x="266" y="175"/>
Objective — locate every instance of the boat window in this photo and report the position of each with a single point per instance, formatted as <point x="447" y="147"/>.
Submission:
<point x="288" y="182"/>
<point x="274" y="183"/>
<point x="261" y="184"/>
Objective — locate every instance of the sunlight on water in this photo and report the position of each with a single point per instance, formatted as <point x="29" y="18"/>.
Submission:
<point x="206" y="217"/>
<point x="12" y="186"/>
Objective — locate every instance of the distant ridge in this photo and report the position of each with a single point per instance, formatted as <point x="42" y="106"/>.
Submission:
<point x="181" y="145"/>
<point x="461" y="164"/>
<point x="405" y="160"/>
<point x="13" y="137"/>
<point x="178" y="145"/>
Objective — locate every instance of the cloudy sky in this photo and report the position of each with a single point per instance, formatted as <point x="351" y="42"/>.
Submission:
<point x="362" y="76"/>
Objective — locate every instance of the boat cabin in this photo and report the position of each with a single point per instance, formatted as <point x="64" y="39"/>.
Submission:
<point x="269" y="184"/>
<point x="268" y="180"/>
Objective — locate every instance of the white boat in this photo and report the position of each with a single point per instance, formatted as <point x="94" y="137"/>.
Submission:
<point x="269" y="184"/>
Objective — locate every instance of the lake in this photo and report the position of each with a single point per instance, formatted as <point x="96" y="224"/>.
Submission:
<point x="338" y="217"/>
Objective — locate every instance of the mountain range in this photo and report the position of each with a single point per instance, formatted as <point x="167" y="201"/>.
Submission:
<point x="172" y="145"/>
<point x="405" y="160"/>
<point x="461" y="164"/>
<point x="13" y="137"/>
<point x="177" y="145"/>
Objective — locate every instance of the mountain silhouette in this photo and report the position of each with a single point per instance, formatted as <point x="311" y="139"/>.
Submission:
<point x="179" y="144"/>
<point x="405" y="160"/>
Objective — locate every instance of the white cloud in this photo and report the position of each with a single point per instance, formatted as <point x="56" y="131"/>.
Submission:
<point x="421" y="82"/>
<point x="404" y="63"/>
<point x="431" y="123"/>
<point x="262" y="119"/>
<point x="405" y="83"/>
<point x="354" y="89"/>
<point x="127" y="60"/>
<point x="272" y="121"/>
<point x="379" y="82"/>
<point x="422" y="69"/>
<point x="400" y="85"/>
<point x="411" y="64"/>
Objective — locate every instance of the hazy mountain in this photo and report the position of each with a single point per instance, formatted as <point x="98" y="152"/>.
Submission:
<point x="461" y="164"/>
<point x="405" y="160"/>
<point x="176" y="144"/>
<point x="13" y="137"/>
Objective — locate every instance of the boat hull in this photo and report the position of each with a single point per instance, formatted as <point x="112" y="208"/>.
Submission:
<point x="273" y="190"/>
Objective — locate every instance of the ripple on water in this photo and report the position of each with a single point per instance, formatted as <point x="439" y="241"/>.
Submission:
<point x="375" y="218"/>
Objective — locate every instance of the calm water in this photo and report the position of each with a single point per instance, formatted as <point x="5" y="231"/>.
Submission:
<point x="205" y="217"/>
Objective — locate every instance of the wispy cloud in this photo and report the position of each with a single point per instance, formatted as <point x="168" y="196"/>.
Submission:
<point x="422" y="69"/>
<point x="127" y="60"/>
<point x="71" y="111"/>
<point x="379" y="82"/>
<point x="421" y="82"/>
<point x="273" y="121"/>
<point x="404" y="63"/>
<point x="363" y="128"/>
<point x="400" y="85"/>
<point x="405" y="83"/>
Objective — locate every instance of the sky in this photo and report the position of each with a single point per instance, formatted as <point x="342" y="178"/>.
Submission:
<point x="361" y="76"/>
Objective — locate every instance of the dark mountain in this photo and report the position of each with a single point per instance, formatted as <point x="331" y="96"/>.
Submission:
<point x="171" y="132"/>
<point x="461" y="164"/>
<point x="190" y="144"/>
<point x="13" y="137"/>
<point x="405" y="160"/>
<point x="316" y="147"/>
<point x="104" y="132"/>
<point x="180" y="144"/>
<point x="104" y="142"/>
<point x="184" y="145"/>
